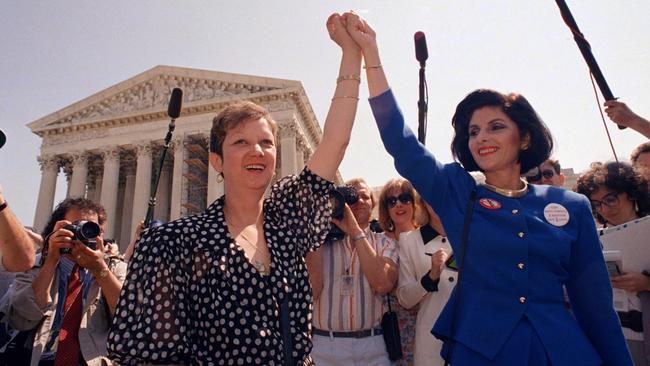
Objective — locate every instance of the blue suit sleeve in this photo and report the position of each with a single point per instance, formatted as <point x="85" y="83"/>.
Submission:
<point x="590" y="292"/>
<point x="429" y="177"/>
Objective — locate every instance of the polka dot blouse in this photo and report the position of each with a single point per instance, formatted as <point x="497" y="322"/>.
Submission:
<point x="192" y="297"/>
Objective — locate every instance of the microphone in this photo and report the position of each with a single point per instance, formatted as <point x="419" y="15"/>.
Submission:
<point x="173" y="111"/>
<point x="3" y="139"/>
<point x="175" y="103"/>
<point x="421" y="53"/>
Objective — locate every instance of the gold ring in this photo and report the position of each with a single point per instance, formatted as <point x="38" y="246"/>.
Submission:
<point x="78" y="256"/>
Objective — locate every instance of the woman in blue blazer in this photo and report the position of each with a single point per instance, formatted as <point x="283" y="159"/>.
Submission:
<point x="524" y="243"/>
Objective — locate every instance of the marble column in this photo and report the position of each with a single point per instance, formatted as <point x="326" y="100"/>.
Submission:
<point x="142" y="185"/>
<point x="109" y="188"/>
<point x="287" y="150"/>
<point x="79" y="175"/>
<point x="161" y="212"/>
<point x="177" y="179"/>
<point x="127" y="205"/>
<point x="50" y="171"/>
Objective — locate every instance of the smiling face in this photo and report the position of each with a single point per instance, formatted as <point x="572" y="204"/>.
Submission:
<point x="402" y="212"/>
<point x="248" y="157"/>
<point x="494" y="140"/>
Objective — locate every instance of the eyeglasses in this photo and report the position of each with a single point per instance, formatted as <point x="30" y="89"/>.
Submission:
<point x="404" y="198"/>
<point x="609" y="200"/>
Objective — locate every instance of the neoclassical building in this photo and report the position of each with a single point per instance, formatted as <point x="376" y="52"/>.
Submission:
<point x="108" y="145"/>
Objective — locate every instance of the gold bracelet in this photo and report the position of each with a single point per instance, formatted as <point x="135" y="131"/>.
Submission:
<point x="372" y="67"/>
<point x="346" y="97"/>
<point x="348" y="77"/>
<point x="102" y="274"/>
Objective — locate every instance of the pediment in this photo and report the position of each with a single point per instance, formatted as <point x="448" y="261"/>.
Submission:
<point x="149" y="93"/>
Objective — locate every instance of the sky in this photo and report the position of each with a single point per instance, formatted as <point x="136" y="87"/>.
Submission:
<point x="55" y="53"/>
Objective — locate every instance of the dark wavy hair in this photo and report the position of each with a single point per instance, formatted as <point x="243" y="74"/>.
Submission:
<point x="616" y="177"/>
<point x="82" y="204"/>
<point x="517" y="108"/>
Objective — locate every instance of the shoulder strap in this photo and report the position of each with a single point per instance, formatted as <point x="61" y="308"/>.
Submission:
<point x="464" y="238"/>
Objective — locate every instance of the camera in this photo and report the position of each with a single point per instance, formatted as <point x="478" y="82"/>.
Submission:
<point x="339" y="196"/>
<point x="84" y="231"/>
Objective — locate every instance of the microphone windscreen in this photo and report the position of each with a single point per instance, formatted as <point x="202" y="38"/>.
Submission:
<point x="175" y="103"/>
<point x="3" y="138"/>
<point x="421" y="53"/>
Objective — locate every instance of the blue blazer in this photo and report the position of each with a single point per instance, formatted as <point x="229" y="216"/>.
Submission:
<point x="517" y="261"/>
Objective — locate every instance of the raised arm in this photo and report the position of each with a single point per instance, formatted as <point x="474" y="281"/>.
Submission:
<point x="366" y="38"/>
<point x="338" y="124"/>
<point x="16" y="247"/>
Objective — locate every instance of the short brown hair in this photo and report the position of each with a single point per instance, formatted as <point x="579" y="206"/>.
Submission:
<point x="641" y="149"/>
<point x="403" y="186"/>
<point x="232" y="116"/>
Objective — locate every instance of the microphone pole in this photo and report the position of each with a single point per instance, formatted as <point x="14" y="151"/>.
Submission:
<point x="173" y="111"/>
<point x="585" y="49"/>
<point x="421" y="54"/>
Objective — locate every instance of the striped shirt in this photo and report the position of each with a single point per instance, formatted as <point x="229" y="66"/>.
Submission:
<point x="347" y="302"/>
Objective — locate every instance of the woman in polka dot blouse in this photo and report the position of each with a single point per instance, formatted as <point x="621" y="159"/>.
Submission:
<point x="229" y="286"/>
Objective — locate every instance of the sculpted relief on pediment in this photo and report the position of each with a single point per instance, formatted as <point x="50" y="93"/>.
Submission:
<point x="155" y="94"/>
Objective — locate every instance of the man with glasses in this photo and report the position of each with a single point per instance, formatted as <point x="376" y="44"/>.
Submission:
<point x="349" y="278"/>
<point x="549" y="173"/>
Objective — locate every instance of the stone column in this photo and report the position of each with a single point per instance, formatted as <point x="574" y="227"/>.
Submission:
<point x="110" y="181"/>
<point x="164" y="190"/>
<point x="79" y="175"/>
<point x="50" y="170"/>
<point x="287" y="150"/>
<point x="142" y="185"/>
<point x="177" y="177"/>
<point x="127" y="204"/>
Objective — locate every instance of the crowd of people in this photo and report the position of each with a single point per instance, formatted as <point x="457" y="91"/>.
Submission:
<point x="488" y="260"/>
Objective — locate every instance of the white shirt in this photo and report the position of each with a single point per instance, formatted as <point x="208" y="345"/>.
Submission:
<point x="414" y="264"/>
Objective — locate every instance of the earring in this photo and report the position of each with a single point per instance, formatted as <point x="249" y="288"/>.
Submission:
<point x="525" y="147"/>
<point x="391" y="226"/>
<point x="220" y="177"/>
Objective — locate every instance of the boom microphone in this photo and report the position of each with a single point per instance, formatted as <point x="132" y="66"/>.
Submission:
<point x="421" y="53"/>
<point x="175" y="103"/>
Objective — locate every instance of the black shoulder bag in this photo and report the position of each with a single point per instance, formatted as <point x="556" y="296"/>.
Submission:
<point x="390" y="331"/>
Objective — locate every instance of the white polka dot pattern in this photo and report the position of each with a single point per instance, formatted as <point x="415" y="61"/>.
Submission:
<point x="192" y="297"/>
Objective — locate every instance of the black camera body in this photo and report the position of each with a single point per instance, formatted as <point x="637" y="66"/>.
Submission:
<point x="340" y="196"/>
<point x="84" y="231"/>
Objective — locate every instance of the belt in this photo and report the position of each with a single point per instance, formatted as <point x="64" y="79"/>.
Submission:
<point x="351" y="334"/>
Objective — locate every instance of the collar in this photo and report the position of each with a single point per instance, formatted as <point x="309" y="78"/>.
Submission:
<point x="428" y="233"/>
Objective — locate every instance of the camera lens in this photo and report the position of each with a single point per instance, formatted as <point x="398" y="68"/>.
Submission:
<point x="89" y="230"/>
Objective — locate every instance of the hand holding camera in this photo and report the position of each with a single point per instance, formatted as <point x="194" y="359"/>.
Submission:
<point x="81" y="240"/>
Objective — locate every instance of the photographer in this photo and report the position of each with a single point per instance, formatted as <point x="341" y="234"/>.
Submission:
<point x="349" y="278"/>
<point x="69" y="296"/>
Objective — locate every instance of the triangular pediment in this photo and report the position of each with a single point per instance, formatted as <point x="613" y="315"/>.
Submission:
<point x="149" y="93"/>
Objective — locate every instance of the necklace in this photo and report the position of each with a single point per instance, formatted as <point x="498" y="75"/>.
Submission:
<point x="512" y="193"/>
<point x="259" y="265"/>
